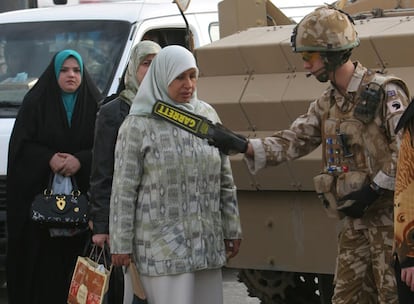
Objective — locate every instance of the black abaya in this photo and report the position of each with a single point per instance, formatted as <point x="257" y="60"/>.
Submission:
<point x="39" y="266"/>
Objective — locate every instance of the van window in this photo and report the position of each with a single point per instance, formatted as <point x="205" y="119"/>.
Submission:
<point x="214" y="31"/>
<point x="26" y="49"/>
<point x="166" y="36"/>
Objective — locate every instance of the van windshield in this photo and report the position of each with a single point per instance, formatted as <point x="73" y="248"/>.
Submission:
<point x="27" y="48"/>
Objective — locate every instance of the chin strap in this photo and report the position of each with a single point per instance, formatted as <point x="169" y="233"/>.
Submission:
<point x="331" y="60"/>
<point x="322" y="74"/>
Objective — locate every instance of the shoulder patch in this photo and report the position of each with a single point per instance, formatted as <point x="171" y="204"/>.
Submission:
<point x="395" y="105"/>
<point x="391" y="93"/>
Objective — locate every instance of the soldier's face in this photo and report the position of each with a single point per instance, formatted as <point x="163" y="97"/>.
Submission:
<point x="314" y="64"/>
<point x="312" y="61"/>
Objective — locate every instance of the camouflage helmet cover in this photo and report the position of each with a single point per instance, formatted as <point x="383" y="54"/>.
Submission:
<point x="324" y="30"/>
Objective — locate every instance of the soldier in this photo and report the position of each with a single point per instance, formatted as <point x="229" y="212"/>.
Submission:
<point x="354" y="120"/>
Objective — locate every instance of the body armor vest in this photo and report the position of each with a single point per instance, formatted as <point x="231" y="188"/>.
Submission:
<point x="354" y="137"/>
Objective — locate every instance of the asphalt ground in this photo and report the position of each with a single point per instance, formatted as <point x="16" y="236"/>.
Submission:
<point x="234" y="292"/>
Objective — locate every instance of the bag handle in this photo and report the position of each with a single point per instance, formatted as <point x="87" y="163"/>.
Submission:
<point x="75" y="190"/>
<point x="96" y="255"/>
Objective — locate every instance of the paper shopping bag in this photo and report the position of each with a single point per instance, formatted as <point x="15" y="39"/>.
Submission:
<point x="89" y="282"/>
<point x="136" y="281"/>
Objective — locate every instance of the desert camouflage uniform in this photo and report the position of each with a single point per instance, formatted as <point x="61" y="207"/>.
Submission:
<point x="369" y="154"/>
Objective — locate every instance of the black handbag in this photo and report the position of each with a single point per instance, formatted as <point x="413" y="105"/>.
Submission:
<point x="60" y="210"/>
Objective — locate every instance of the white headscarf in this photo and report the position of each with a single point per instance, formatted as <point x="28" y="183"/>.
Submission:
<point x="170" y="62"/>
<point x="138" y="54"/>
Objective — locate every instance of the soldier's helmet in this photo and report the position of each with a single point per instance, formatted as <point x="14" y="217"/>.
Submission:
<point x="326" y="29"/>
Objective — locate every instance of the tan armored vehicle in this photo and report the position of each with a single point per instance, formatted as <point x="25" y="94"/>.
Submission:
<point x="258" y="85"/>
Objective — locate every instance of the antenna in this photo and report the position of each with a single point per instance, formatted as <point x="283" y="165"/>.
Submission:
<point x="182" y="6"/>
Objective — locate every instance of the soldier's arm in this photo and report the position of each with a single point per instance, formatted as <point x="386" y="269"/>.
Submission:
<point x="303" y="136"/>
<point x="393" y="107"/>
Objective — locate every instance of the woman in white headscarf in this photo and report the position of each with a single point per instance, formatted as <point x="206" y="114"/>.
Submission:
<point x="173" y="208"/>
<point x="110" y="117"/>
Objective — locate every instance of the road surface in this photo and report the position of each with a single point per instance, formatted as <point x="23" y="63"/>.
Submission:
<point x="234" y="291"/>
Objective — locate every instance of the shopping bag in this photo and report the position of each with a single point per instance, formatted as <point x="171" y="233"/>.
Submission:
<point x="136" y="281"/>
<point x="90" y="279"/>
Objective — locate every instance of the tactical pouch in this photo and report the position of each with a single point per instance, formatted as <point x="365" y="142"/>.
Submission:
<point x="349" y="182"/>
<point x="331" y="188"/>
<point x="325" y="187"/>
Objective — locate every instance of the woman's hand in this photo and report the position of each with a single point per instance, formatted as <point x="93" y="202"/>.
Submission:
<point x="70" y="164"/>
<point x="100" y="239"/>
<point x="232" y="247"/>
<point x="64" y="163"/>
<point x="56" y="162"/>
<point x="407" y="276"/>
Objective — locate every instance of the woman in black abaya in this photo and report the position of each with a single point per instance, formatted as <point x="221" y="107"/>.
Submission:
<point x="53" y="132"/>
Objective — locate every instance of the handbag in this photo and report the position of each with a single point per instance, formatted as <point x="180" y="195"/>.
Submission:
<point x="59" y="210"/>
<point x="90" y="278"/>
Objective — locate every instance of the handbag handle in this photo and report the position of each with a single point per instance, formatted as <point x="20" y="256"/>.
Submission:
<point x="75" y="190"/>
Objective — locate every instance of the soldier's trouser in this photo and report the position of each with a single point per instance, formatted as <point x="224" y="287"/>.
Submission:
<point x="364" y="274"/>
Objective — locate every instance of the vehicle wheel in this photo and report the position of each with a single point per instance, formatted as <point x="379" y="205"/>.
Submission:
<point x="276" y="287"/>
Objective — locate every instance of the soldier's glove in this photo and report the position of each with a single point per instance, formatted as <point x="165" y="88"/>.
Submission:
<point x="226" y="140"/>
<point x="355" y="203"/>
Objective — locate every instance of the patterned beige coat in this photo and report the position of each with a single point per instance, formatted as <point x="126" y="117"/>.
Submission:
<point x="173" y="198"/>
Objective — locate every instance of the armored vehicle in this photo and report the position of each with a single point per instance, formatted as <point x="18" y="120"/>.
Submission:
<point x="258" y="85"/>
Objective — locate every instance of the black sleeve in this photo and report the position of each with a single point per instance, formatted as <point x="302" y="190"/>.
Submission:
<point x="408" y="262"/>
<point x="106" y="130"/>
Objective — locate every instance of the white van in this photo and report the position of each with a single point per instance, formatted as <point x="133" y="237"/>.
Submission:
<point x="47" y="3"/>
<point x="103" y="33"/>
